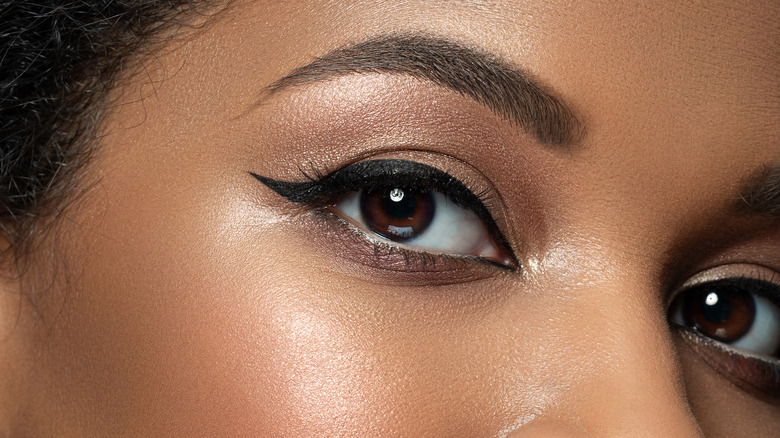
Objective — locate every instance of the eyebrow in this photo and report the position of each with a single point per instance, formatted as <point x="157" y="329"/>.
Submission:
<point x="761" y="193"/>
<point x="506" y="90"/>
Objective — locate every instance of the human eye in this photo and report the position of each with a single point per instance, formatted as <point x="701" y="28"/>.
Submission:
<point x="732" y="315"/>
<point x="408" y="207"/>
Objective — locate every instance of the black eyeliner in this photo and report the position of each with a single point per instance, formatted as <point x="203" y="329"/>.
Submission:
<point x="381" y="174"/>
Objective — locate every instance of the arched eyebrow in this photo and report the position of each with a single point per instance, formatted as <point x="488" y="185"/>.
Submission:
<point x="504" y="89"/>
<point x="761" y="192"/>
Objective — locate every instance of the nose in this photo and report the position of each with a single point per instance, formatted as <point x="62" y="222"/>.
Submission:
<point x="628" y="382"/>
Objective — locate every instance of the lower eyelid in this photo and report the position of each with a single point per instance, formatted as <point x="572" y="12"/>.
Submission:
<point x="384" y="263"/>
<point x="757" y="376"/>
<point x="381" y="247"/>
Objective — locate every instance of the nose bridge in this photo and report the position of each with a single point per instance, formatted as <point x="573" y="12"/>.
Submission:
<point x="637" y="389"/>
<point x="628" y="381"/>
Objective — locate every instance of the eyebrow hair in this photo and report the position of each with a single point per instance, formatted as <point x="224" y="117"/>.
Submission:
<point x="473" y="73"/>
<point x="761" y="192"/>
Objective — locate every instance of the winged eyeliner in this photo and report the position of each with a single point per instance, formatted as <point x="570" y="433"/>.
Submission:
<point x="322" y="190"/>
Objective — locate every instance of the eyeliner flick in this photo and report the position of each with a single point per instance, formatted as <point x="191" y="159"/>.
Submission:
<point x="386" y="174"/>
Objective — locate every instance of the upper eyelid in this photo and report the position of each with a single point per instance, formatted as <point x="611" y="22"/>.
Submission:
<point x="735" y="273"/>
<point x="317" y="188"/>
<point x="732" y="270"/>
<point x="723" y="272"/>
<point x="320" y="190"/>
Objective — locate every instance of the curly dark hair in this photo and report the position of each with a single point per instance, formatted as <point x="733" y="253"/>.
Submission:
<point x="58" y="61"/>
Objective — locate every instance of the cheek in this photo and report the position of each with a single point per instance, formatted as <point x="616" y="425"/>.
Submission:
<point x="231" y="323"/>
<point x="721" y="407"/>
<point x="332" y="355"/>
<point x="196" y="311"/>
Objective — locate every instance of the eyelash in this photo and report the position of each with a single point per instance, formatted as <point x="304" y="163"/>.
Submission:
<point x="322" y="190"/>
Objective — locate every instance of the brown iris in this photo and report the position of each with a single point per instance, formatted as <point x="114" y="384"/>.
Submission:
<point x="723" y="312"/>
<point x="398" y="214"/>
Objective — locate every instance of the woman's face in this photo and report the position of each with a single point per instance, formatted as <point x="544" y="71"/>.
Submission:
<point x="610" y="215"/>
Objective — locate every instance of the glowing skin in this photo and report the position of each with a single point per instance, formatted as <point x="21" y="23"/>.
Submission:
<point x="181" y="297"/>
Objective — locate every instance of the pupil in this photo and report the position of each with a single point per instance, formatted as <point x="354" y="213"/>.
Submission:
<point x="716" y="310"/>
<point x="397" y="214"/>
<point x="399" y="206"/>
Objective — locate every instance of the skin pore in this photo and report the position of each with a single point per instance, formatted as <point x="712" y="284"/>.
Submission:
<point x="181" y="296"/>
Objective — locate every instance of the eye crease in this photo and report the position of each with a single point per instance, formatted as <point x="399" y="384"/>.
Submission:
<point x="408" y="205"/>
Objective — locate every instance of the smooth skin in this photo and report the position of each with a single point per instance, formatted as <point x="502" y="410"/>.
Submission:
<point x="178" y="296"/>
